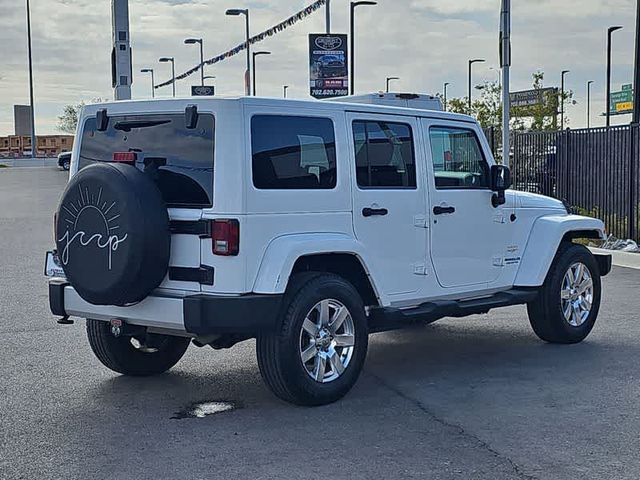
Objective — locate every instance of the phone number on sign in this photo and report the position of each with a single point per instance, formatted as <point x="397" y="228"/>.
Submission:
<point x="329" y="92"/>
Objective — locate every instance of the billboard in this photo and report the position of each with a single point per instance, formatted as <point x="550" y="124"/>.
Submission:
<point x="328" y="65"/>
<point x="530" y="98"/>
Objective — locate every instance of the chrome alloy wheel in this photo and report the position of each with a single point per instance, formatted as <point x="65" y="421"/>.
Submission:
<point x="577" y="294"/>
<point x="327" y="340"/>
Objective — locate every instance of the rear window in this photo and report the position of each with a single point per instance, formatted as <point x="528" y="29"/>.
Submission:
<point x="293" y="153"/>
<point x="180" y="160"/>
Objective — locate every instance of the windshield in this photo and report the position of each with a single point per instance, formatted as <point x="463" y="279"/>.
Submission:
<point x="180" y="160"/>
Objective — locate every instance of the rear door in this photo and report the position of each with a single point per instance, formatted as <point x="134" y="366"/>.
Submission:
<point x="180" y="160"/>
<point x="389" y="200"/>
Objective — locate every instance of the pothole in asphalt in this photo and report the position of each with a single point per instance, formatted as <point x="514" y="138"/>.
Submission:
<point x="205" y="409"/>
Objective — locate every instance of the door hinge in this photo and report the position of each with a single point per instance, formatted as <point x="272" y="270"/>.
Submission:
<point x="420" y="270"/>
<point x="420" y="221"/>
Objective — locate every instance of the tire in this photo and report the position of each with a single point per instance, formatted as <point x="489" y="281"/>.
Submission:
<point x="66" y="165"/>
<point x="548" y="314"/>
<point x="280" y="353"/>
<point x="120" y="355"/>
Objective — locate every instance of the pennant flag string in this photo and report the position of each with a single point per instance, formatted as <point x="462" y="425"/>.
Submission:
<point x="292" y="20"/>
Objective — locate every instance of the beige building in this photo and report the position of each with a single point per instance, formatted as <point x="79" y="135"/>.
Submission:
<point x="48" y="145"/>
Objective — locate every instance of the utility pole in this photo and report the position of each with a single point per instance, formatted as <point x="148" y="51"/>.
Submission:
<point x="121" y="55"/>
<point x="505" y="63"/>
<point x="34" y="140"/>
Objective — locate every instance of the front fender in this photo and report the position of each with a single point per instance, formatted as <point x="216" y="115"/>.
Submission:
<point x="543" y="243"/>
<point x="283" y="252"/>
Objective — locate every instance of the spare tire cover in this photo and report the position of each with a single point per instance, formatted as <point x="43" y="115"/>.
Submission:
<point x="112" y="234"/>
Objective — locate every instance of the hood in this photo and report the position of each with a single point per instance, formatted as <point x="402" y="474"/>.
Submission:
<point x="533" y="200"/>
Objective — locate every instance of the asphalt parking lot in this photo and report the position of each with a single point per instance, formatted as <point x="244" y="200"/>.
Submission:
<point x="477" y="398"/>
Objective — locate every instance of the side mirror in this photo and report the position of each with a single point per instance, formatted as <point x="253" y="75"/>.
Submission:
<point x="500" y="181"/>
<point x="500" y="178"/>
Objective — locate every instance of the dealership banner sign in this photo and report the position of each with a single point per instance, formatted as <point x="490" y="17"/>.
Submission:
<point x="328" y="65"/>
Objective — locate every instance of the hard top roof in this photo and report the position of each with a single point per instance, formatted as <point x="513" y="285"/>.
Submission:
<point x="319" y="105"/>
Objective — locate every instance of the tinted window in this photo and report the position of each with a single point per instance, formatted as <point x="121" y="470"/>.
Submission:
<point x="384" y="154"/>
<point x="180" y="160"/>
<point x="458" y="161"/>
<point x="293" y="152"/>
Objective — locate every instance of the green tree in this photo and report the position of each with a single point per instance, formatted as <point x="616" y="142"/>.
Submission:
<point x="68" y="121"/>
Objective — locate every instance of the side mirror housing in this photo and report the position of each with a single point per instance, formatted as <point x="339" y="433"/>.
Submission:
<point x="500" y="182"/>
<point x="500" y="178"/>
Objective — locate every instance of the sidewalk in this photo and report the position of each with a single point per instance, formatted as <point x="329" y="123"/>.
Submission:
<point x="29" y="162"/>
<point x="621" y="259"/>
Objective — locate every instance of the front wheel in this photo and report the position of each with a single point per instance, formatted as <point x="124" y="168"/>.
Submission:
<point x="316" y="356"/>
<point x="569" y="301"/>
<point x="140" y="355"/>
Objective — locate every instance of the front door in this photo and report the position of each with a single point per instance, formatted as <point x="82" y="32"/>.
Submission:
<point x="468" y="235"/>
<point x="389" y="200"/>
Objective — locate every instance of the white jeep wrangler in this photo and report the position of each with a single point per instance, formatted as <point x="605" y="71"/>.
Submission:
<point x="306" y="225"/>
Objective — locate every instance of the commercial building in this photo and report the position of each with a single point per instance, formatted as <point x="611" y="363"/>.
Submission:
<point x="15" y="146"/>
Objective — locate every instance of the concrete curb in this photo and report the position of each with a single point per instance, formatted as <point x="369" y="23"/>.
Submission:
<point x="620" y="259"/>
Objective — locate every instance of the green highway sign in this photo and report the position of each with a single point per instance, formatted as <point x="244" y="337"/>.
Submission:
<point x="622" y="102"/>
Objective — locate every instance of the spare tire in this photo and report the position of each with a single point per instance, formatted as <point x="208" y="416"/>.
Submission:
<point x="112" y="234"/>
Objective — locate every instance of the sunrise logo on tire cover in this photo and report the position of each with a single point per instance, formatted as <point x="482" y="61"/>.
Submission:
<point x="103" y="233"/>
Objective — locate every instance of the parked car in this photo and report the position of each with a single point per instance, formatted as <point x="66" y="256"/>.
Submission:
<point x="64" y="160"/>
<point x="306" y="225"/>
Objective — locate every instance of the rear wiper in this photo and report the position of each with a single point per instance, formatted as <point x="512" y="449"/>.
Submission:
<point x="128" y="126"/>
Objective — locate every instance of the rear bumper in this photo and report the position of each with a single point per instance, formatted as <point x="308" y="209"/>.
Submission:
<point x="196" y="315"/>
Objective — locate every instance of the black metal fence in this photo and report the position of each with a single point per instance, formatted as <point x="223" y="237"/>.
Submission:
<point x="595" y="170"/>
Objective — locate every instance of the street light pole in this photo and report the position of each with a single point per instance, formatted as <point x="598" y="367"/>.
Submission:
<point x="193" y="41"/>
<point x="34" y="140"/>
<point x="446" y="84"/>
<point x="247" y="73"/>
<point x="564" y="72"/>
<point x="173" y="71"/>
<point x="636" y="70"/>
<point x="255" y="54"/>
<point x="589" y="103"/>
<point x="471" y="62"/>
<point x="610" y="31"/>
<point x="153" y="81"/>
<point x="351" y="36"/>
<point x="389" y="81"/>
<point x="328" y="15"/>
<point x="284" y="91"/>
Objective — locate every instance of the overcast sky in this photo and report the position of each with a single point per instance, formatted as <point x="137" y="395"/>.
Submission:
<point x="425" y="42"/>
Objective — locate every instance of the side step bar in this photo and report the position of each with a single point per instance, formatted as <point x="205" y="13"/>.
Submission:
<point x="388" y="318"/>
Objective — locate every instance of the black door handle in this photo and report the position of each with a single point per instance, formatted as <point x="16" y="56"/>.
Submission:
<point x="370" y="212"/>
<point x="443" y="210"/>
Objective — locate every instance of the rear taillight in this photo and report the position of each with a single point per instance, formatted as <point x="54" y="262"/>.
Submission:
<point x="125" y="157"/>
<point x="226" y="237"/>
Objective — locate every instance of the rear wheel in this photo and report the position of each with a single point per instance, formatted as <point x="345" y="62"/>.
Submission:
<point x="139" y="355"/>
<point x="569" y="301"/>
<point x="66" y="165"/>
<point x="317" y="355"/>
